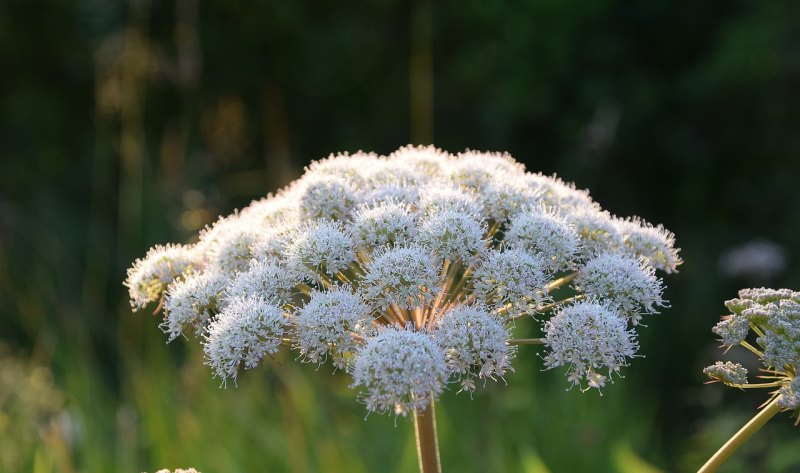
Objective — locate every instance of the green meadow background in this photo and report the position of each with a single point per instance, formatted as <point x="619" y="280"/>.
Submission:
<point x="124" y="124"/>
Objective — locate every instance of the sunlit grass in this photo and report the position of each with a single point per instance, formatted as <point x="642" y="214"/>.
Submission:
<point x="167" y="411"/>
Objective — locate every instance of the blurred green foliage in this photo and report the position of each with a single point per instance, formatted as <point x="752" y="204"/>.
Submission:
<point x="125" y="124"/>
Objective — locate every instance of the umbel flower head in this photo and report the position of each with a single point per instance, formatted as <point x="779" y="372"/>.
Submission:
<point x="411" y="271"/>
<point x="766" y="322"/>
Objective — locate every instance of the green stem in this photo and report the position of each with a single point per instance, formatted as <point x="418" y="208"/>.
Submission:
<point x="752" y="349"/>
<point x="427" y="443"/>
<point x="549" y="307"/>
<point x="526" y="341"/>
<point x="541" y="309"/>
<point x="740" y="437"/>
<point x="775" y="384"/>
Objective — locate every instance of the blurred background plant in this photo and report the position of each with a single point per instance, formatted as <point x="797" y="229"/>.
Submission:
<point x="125" y="124"/>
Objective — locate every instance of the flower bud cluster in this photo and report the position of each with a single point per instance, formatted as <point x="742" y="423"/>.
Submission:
<point x="727" y="373"/>
<point x="409" y="272"/>
<point x="767" y="323"/>
<point x="790" y="394"/>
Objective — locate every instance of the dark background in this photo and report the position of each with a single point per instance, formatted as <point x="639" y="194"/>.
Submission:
<point x="127" y="124"/>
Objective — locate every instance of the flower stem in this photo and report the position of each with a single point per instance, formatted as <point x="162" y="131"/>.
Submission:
<point x="775" y="384"/>
<point x="562" y="281"/>
<point x="753" y="349"/>
<point x="427" y="444"/>
<point x="526" y="341"/>
<point x="741" y="436"/>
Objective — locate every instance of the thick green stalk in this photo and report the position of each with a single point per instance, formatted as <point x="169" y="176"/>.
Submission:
<point x="427" y="443"/>
<point x="740" y="437"/>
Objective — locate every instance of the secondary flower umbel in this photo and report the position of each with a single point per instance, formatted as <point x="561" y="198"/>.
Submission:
<point x="773" y="316"/>
<point x="409" y="272"/>
<point x="770" y="318"/>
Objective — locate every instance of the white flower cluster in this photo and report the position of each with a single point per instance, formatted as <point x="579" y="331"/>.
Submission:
<point x="513" y="278"/>
<point x="409" y="271"/>
<point x="246" y="331"/>
<point x="403" y="277"/>
<point x="191" y="302"/>
<point x="149" y="276"/>
<point x="332" y="322"/>
<point x="773" y="317"/>
<point x="586" y="337"/>
<point x="626" y="282"/>
<point x="474" y="343"/>
<point x="400" y="370"/>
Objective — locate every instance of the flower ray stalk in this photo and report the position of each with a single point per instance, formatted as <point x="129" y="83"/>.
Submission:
<point x="526" y="341"/>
